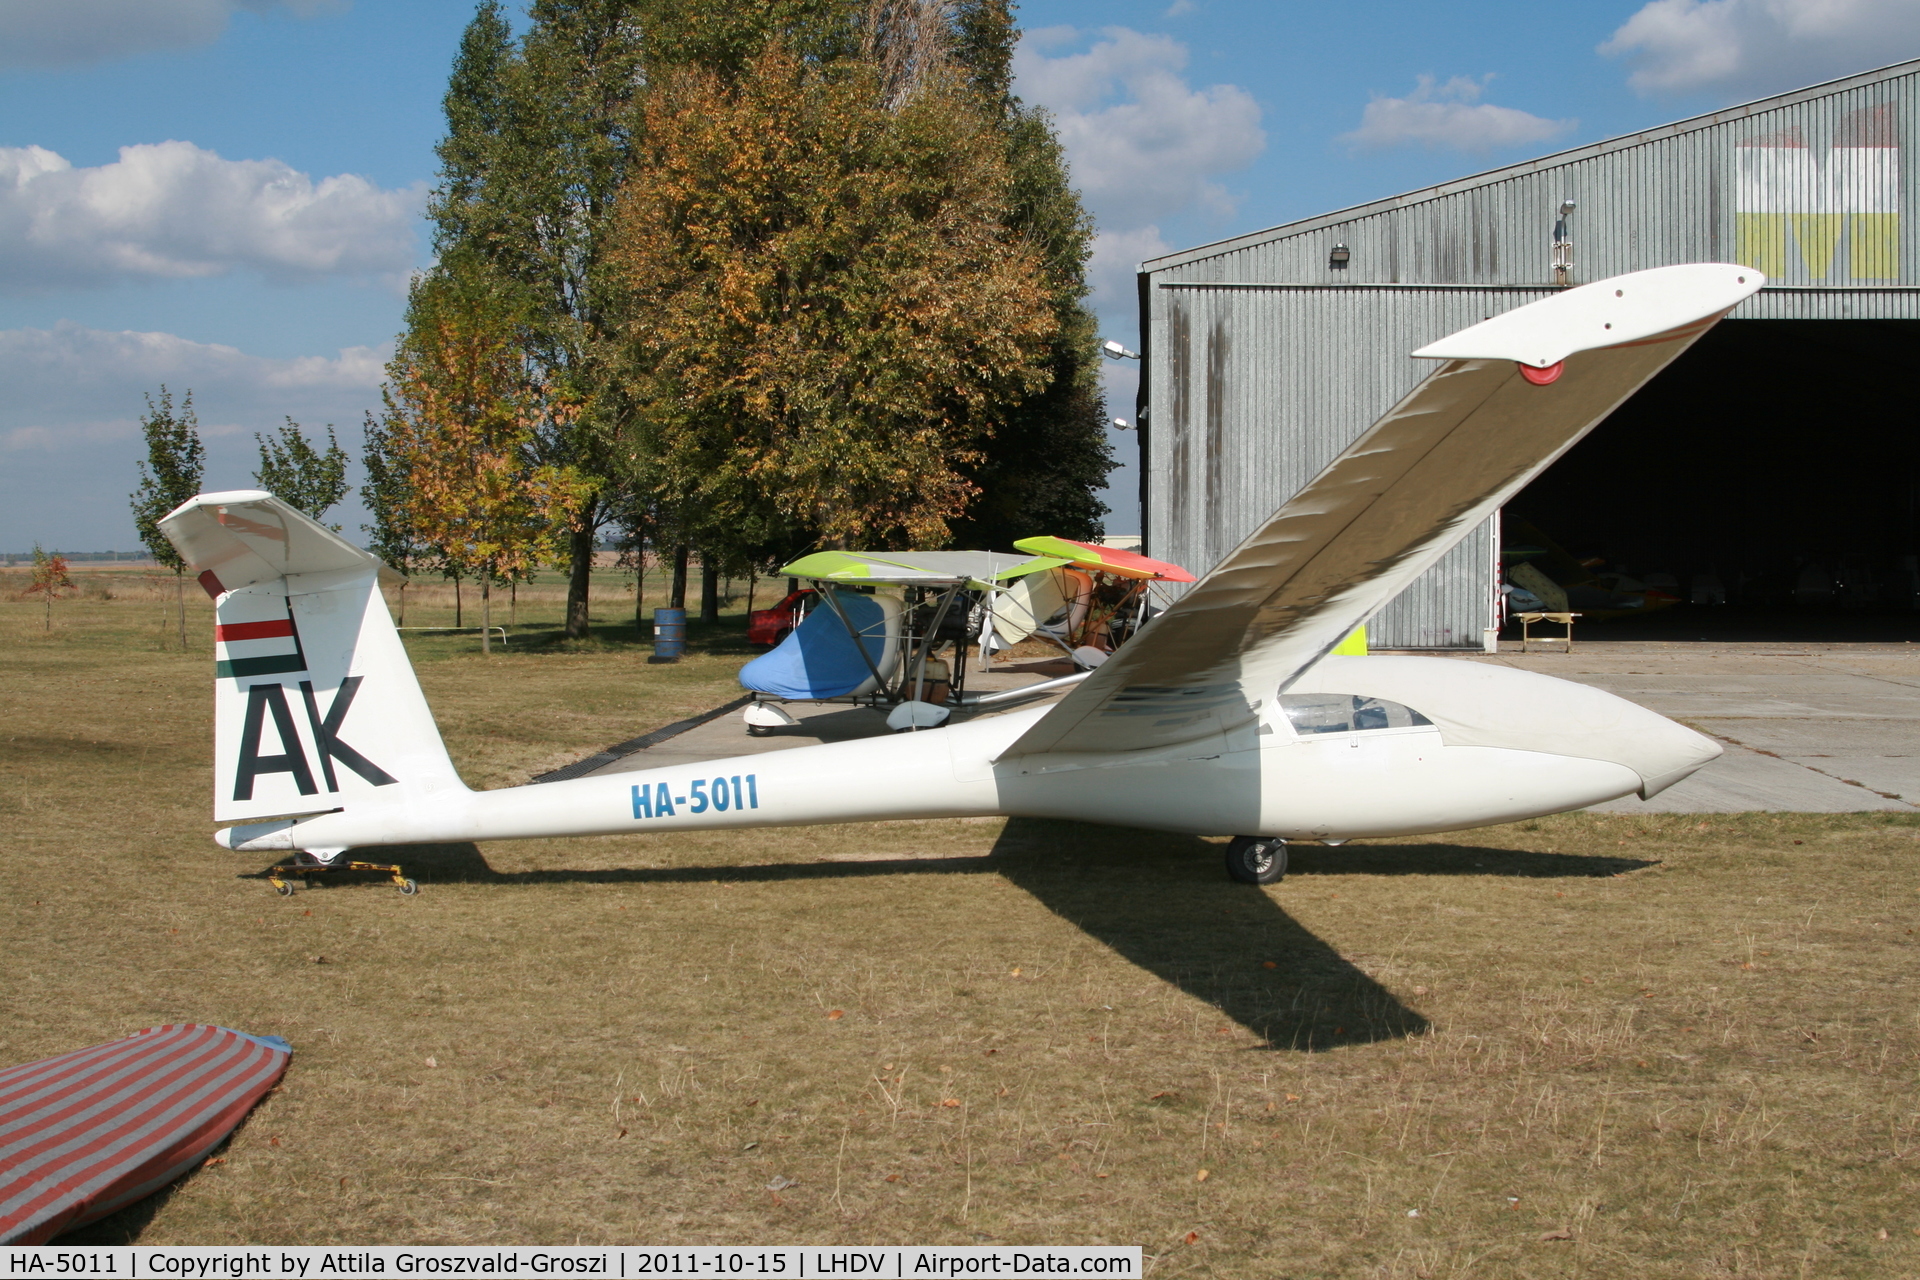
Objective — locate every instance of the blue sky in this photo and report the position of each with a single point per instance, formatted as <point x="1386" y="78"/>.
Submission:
<point x="224" y="195"/>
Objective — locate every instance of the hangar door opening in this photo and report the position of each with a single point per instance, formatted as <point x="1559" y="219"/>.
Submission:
<point x="1766" y="486"/>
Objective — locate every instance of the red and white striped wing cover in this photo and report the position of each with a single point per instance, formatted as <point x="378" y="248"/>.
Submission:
<point x="88" y="1132"/>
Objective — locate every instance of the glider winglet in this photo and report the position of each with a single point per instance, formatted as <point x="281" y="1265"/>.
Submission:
<point x="1606" y="313"/>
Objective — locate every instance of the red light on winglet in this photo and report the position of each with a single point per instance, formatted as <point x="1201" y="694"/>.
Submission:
<point x="1541" y="377"/>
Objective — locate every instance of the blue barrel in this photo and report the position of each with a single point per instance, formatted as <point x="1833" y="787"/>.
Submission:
<point x="669" y="633"/>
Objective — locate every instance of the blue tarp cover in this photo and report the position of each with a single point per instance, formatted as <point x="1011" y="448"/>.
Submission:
<point x="818" y="660"/>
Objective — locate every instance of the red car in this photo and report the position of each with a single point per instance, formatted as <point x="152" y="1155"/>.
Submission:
<point x="770" y="626"/>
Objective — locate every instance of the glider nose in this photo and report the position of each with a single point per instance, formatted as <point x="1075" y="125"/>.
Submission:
<point x="1663" y="752"/>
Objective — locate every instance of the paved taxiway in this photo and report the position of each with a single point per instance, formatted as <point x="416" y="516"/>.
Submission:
<point x="1822" y="728"/>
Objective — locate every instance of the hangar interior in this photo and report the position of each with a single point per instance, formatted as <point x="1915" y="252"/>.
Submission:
<point x="1769" y="479"/>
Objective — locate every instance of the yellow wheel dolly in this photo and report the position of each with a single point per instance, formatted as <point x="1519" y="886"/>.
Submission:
<point x="280" y="877"/>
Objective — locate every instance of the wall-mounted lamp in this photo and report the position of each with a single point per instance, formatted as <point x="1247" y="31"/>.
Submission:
<point x="1114" y="351"/>
<point x="1563" y="246"/>
<point x="1121" y="424"/>
<point x="1337" y="257"/>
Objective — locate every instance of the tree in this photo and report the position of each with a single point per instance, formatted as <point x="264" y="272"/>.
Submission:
<point x="49" y="579"/>
<point x="536" y="147"/>
<point x="176" y="461"/>
<point x="388" y="495"/>
<point x="463" y="413"/>
<point x="306" y="479"/>
<point x="829" y="314"/>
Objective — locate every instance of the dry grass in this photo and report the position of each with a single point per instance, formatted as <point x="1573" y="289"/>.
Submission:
<point x="1687" y="1046"/>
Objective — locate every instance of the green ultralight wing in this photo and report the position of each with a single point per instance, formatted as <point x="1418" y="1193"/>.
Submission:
<point x="978" y="570"/>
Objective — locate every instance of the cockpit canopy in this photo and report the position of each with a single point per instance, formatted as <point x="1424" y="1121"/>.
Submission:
<point x="1475" y="704"/>
<point x="1311" y="713"/>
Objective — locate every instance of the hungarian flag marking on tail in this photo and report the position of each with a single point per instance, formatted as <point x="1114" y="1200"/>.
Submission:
<point x="256" y="646"/>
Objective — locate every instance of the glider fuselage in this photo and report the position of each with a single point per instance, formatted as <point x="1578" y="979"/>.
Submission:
<point x="1265" y="779"/>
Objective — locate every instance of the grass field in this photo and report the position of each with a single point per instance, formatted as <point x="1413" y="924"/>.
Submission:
<point x="1586" y="1046"/>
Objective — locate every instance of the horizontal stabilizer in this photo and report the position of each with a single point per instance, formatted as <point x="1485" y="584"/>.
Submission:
<point x="244" y="537"/>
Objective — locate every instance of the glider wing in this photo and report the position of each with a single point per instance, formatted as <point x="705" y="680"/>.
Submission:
<point x="1515" y="392"/>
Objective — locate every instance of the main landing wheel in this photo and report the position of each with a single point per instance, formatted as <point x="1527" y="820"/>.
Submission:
<point x="1257" y="859"/>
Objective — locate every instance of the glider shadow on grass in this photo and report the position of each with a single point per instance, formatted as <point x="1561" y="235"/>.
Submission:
<point x="1161" y="901"/>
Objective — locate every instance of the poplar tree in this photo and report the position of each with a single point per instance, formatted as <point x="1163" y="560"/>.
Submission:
<point x="176" y="461"/>
<point x="1045" y="466"/>
<point x="536" y="147"/>
<point x="309" y="480"/>
<point x="388" y="496"/>
<point x="543" y="132"/>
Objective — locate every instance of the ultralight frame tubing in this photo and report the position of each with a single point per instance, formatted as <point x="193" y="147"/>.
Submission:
<point x="926" y="642"/>
<point x="1040" y="690"/>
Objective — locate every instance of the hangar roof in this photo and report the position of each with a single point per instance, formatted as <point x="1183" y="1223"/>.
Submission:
<point x="1692" y="165"/>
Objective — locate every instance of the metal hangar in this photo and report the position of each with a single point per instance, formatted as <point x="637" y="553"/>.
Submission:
<point x="1776" y="466"/>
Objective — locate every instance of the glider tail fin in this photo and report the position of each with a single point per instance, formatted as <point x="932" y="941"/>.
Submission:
<point x="316" y="707"/>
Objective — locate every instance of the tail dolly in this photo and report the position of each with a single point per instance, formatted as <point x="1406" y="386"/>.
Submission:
<point x="305" y="866"/>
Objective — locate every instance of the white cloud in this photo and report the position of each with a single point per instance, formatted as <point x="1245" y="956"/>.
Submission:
<point x="1755" y="47"/>
<point x="66" y="33"/>
<point x="1450" y="115"/>
<point x="172" y="209"/>
<point x="1141" y="143"/>
<point x="1117" y="256"/>
<point x="69" y="424"/>
<point x="73" y="372"/>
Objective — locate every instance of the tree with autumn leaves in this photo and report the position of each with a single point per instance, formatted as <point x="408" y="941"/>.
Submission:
<point x="782" y="274"/>
<point x="829" y="316"/>
<point x="856" y="277"/>
<point x="459" y="438"/>
<point x="49" y="580"/>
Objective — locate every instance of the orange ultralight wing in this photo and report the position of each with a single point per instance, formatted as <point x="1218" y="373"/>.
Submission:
<point x="1121" y="564"/>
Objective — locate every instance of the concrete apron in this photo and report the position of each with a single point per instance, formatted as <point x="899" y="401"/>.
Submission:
<point x="1809" y="728"/>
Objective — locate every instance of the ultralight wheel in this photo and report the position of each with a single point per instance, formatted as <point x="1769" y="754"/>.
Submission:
<point x="1257" y="859"/>
<point x="408" y="887"/>
<point x="284" y="889"/>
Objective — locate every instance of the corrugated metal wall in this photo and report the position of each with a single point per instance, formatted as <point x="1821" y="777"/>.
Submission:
<point x="1264" y="361"/>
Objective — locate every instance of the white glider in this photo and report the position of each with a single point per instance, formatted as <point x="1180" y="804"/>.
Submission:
<point x="1224" y="716"/>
